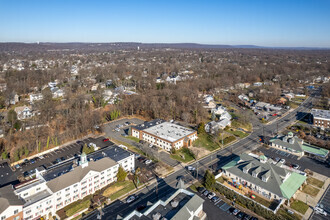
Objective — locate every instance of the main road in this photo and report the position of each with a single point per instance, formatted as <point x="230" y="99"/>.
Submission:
<point x="214" y="160"/>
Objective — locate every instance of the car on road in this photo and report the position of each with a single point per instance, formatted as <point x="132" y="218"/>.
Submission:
<point x="282" y="161"/>
<point x="148" y="162"/>
<point x="210" y="195"/>
<point x="140" y="208"/>
<point x="117" y="129"/>
<point x="131" y="199"/>
<point x="235" y="212"/>
<point x="191" y="168"/>
<point x="206" y="192"/>
<point x="105" y="139"/>
<point x="201" y="189"/>
<point x="274" y="114"/>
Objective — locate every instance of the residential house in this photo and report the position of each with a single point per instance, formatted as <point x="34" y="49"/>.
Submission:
<point x="57" y="93"/>
<point x="35" y="97"/>
<point x="24" y="112"/>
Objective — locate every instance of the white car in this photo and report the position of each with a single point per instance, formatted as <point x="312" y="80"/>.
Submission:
<point x="282" y="161"/>
<point x="211" y="195"/>
<point x="191" y="168"/>
<point x="319" y="210"/>
<point x="148" y="162"/>
<point x="130" y="199"/>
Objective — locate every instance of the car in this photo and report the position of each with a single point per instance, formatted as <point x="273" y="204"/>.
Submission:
<point x="124" y="135"/>
<point x="191" y="168"/>
<point x="54" y="162"/>
<point x="137" y="156"/>
<point x="235" y="212"/>
<point x="148" y="162"/>
<point x="211" y="195"/>
<point x="277" y="159"/>
<point x="295" y="166"/>
<point x="206" y="192"/>
<point x="319" y="210"/>
<point x="32" y="161"/>
<point x="201" y="189"/>
<point x="32" y="172"/>
<point x="215" y="199"/>
<point x="105" y="139"/>
<point x="75" y="155"/>
<point x="120" y="126"/>
<point x="26" y="174"/>
<point x="41" y="157"/>
<point x="131" y="199"/>
<point x="142" y="141"/>
<point x="117" y="129"/>
<point x="17" y="166"/>
<point x="274" y="115"/>
<point x="62" y="158"/>
<point x="231" y="210"/>
<point x="58" y="160"/>
<point x="254" y="218"/>
<point x="246" y="217"/>
<point x="26" y="161"/>
<point x="282" y="161"/>
<point x="240" y="215"/>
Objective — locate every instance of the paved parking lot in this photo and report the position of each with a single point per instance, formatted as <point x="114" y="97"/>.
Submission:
<point x="325" y="201"/>
<point x="304" y="162"/>
<point x="7" y="176"/>
<point x="67" y="153"/>
<point x="118" y="129"/>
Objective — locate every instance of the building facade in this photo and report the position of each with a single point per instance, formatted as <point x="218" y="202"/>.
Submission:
<point x="164" y="134"/>
<point x="321" y="118"/>
<point x="11" y="206"/>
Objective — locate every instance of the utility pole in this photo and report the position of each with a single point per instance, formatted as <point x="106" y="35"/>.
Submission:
<point x="197" y="171"/>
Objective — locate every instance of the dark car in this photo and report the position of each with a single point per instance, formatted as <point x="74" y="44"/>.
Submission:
<point x="240" y="215"/>
<point x="201" y="189"/>
<point x="58" y="160"/>
<point x="62" y="158"/>
<point x="26" y="174"/>
<point x="246" y="217"/>
<point x="231" y="210"/>
<point x="254" y="218"/>
<point x="32" y="161"/>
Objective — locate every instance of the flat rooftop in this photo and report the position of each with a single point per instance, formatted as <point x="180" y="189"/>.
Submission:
<point x="319" y="113"/>
<point x="148" y="124"/>
<point x="169" y="131"/>
<point x="36" y="197"/>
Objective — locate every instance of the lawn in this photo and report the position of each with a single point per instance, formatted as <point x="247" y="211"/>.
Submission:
<point x="262" y="201"/>
<point x="118" y="189"/>
<point x="206" y="141"/>
<point x="239" y="124"/>
<point x="79" y="206"/>
<point x="310" y="190"/>
<point x="315" y="182"/>
<point x="133" y="139"/>
<point x="237" y="133"/>
<point x="299" y="206"/>
<point x="286" y="215"/>
<point x="185" y="152"/>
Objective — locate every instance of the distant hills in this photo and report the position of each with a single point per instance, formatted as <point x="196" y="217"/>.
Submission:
<point x="45" y="46"/>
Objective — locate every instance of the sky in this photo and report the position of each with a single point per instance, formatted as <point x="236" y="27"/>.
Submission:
<point x="276" y="23"/>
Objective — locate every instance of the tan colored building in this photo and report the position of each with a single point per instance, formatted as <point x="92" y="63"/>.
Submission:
<point x="164" y="134"/>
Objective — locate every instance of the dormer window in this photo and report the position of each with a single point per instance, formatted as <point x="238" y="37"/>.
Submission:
<point x="264" y="179"/>
<point x="245" y="170"/>
<point x="254" y="174"/>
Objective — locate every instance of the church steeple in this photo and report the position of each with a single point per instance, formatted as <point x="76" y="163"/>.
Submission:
<point x="83" y="160"/>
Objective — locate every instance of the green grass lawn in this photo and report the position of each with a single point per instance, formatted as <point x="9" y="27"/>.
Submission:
<point x="315" y="182"/>
<point x="299" y="206"/>
<point x="237" y="133"/>
<point x="239" y="124"/>
<point x="187" y="157"/>
<point x="79" y="206"/>
<point x="206" y="141"/>
<point x="262" y="201"/>
<point x="118" y="189"/>
<point x="310" y="190"/>
<point x="133" y="139"/>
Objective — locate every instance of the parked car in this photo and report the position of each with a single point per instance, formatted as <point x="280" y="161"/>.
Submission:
<point x="117" y="129"/>
<point x="105" y="139"/>
<point x="241" y="215"/>
<point x="201" y="189"/>
<point x="41" y="157"/>
<point x="32" y="161"/>
<point x="295" y="166"/>
<point x="137" y="156"/>
<point x="191" y="168"/>
<point x="17" y="166"/>
<point x="235" y="212"/>
<point x="319" y="210"/>
<point x="58" y="160"/>
<point x="148" y="162"/>
<point x="277" y="159"/>
<point x="62" y="158"/>
<point x="246" y="217"/>
<point x="211" y="195"/>
<point x="282" y="161"/>
<point x="215" y="199"/>
<point x="206" y="192"/>
<point x="231" y="210"/>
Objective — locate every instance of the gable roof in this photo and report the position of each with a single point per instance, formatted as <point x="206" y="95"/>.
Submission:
<point x="79" y="173"/>
<point x="8" y="198"/>
<point x="274" y="174"/>
<point x="292" y="184"/>
<point x="190" y="207"/>
<point x="289" y="142"/>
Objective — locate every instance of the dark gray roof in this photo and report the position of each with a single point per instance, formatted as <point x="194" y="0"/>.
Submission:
<point x="192" y="205"/>
<point x="274" y="173"/>
<point x="78" y="173"/>
<point x="8" y="198"/>
<point x="114" y="152"/>
<point x="148" y="124"/>
<point x="289" y="142"/>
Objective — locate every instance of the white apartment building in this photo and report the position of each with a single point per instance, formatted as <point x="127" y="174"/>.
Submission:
<point x="57" y="188"/>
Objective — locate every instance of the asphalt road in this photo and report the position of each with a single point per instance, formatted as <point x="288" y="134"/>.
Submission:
<point x="214" y="160"/>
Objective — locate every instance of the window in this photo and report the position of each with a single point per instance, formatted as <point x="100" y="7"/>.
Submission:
<point x="75" y="185"/>
<point x="25" y="194"/>
<point x="16" y="211"/>
<point x="67" y="189"/>
<point x="3" y="217"/>
<point x="38" y="188"/>
<point x="27" y="212"/>
<point x="58" y="199"/>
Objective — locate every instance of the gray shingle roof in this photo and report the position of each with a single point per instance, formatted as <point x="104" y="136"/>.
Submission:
<point x="8" y="198"/>
<point x="274" y="173"/>
<point x="191" y="205"/>
<point x="293" y="143"/>
<point x="79" y="173"/>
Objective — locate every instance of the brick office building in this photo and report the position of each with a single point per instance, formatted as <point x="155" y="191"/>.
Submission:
<point x="321" y="118"/>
